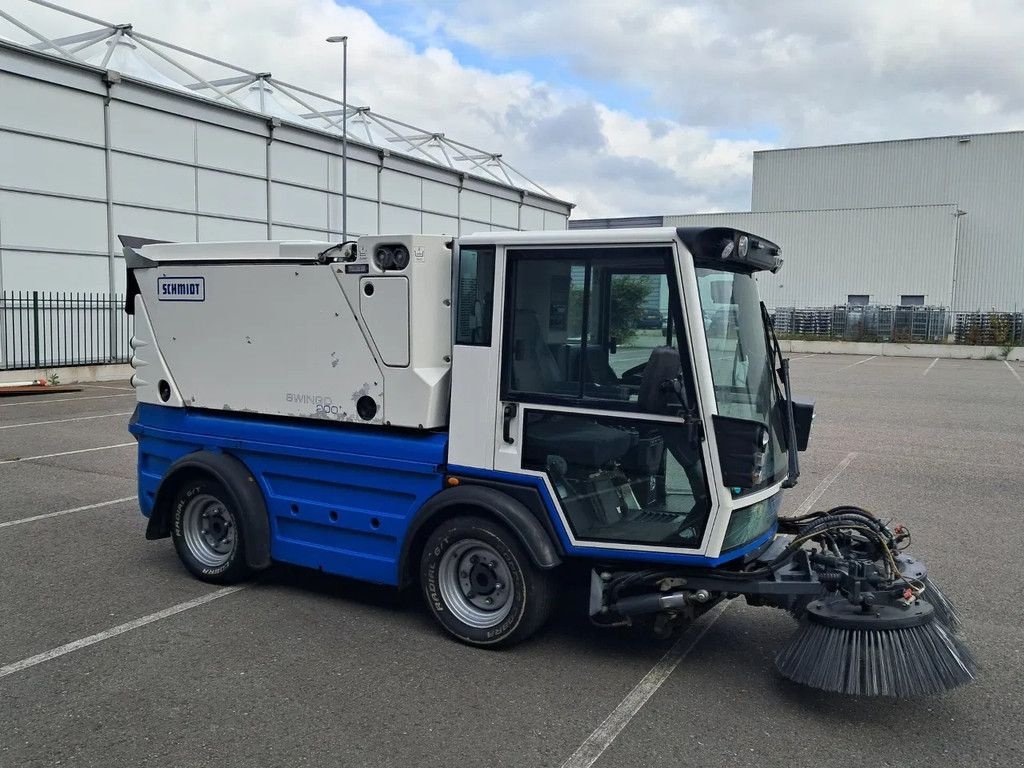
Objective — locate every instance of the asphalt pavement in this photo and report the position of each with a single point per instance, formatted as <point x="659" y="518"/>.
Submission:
<point x="112" y="655"/>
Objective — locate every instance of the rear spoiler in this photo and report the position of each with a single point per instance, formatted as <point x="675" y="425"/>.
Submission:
<point x="133" y="259"/>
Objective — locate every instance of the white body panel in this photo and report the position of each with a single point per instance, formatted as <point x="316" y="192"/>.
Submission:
<point x="264" y="328"/>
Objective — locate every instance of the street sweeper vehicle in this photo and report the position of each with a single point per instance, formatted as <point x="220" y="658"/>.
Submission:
<point x="478" y="415"/>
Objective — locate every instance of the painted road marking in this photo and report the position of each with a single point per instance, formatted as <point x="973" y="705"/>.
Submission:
<point x="591" y="750"/>
<point x="64" y="453"/>
<point x="859" y="362"/>
<point x="1013" y="371"/>
<point x="64" y="421"/>
<point x="47" y="400"/>
<point x="930" y="366"/>
<point x="802" y="357"/>
<point x="67" y="511"/>
<point x="120" y="629"/>
<point x="823" y="486"/>
<point x="106" y="386"/>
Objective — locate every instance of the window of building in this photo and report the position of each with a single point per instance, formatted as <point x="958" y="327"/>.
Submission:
<point x="475" y="300"/>
<point x="912" y="300"/>
<point x="858" y="299"/>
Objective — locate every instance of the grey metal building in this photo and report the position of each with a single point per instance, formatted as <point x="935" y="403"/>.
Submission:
<point x="934" y="221"/>
<point x="108" y="131"/>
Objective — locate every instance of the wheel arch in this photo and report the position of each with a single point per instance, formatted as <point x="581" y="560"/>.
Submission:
<point x="484" y="502"/>
<point x="242" y="487"/>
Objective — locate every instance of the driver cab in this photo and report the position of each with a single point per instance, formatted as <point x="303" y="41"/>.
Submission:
<point x="581" y="402"/>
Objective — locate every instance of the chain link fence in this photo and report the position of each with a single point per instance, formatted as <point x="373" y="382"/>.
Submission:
<point x="900" y="324"/>
<point x="50" y="330"/>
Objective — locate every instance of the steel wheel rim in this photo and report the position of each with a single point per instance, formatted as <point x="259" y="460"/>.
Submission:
<point x="209" y="530"/>
<point x="476" y="584"/>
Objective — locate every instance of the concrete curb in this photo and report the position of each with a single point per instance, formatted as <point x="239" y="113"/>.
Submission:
<point x="950" y="351"/>
<point x="78" y="374"/>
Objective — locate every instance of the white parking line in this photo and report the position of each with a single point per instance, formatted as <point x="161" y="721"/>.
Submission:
<point x="802" y="357"/>
<point x="61" y="512"/>
<point x="830" y="478"/>
<point x="120" y="629"/>
<point x="1013" y="371"/>
<point x="64" y="421"/>
<point x="63" y="453"/>
<point x="859" y="362"/>
<point x="47" y="400"/>
<point x="106" y="386"/>
<point x="594" y="746"/>
<point x="930" y="366"/>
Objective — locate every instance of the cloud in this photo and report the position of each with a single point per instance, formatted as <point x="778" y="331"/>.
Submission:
<point x="607" y="161"/>
<point x="710" y="82"/>
<point x="818" y="71"/>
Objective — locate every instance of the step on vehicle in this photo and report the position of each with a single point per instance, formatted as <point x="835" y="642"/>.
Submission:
<point x="472" y="416"/>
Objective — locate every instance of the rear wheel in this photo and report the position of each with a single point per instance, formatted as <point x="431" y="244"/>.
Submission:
<point x="481" y="585"/>
<point x="206" y="529"/>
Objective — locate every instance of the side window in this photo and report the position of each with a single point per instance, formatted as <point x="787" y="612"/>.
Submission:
<point x="620" y="479"/>
<point x="582" y="325"/>
<point x="475" y="297"/>
<point x="546" y="325"/>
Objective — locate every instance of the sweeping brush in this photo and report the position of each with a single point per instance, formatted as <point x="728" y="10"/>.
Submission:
<point x="944" y="610"/>
<point x="890" y="650"/>
<point x="915" y="571"/>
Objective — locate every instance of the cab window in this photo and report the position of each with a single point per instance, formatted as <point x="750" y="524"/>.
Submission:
<point x="581" y="324"/>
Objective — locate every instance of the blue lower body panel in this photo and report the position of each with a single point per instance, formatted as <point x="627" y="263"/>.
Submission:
<point x="340" y="497"/>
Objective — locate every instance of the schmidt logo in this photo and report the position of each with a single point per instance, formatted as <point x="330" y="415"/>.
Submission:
<point x="181" y="289"/>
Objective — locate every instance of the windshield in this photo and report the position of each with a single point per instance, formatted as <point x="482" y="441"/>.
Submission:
<point x="741" y="367"/>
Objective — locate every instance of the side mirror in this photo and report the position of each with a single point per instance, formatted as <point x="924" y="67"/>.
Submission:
<point x="803" y="417"/>
<point x="613" y="346"/>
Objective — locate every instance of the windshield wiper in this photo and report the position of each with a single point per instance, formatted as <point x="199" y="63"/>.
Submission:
<point x="782" y="372"/>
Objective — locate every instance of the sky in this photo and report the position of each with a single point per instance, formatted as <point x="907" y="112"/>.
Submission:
<point x="634" y="107"/>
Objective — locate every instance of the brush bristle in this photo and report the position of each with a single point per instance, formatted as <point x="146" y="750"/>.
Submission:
<point x="943" y="608"/>
<point x="907" y="662"/>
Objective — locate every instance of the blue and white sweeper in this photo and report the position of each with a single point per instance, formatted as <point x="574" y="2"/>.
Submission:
<point x="478" y="415"/>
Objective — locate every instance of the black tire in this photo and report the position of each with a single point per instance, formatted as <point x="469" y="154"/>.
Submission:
<point x="533" y="592"/>
<point x="228" y="567"/>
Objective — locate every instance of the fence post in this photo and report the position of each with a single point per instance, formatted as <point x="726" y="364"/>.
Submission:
<point x="35" y="326"/>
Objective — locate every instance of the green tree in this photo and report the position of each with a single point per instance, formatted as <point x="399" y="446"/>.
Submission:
<point x="628" y="294"/>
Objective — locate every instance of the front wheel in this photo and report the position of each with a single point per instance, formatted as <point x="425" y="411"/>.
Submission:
<point x="480" y="584"/>
<point x="206" y="529"/>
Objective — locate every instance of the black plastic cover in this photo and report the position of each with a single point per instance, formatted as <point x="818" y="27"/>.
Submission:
<point x="803" y="417"/>
<point x="741" y="445"/>
<point x="708" y="243"/>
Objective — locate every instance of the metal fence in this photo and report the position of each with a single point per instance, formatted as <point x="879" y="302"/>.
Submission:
<point x="48" y="330"/>
<point x="900" y="324"/>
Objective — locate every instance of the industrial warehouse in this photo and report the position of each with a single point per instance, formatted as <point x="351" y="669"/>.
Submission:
<point x="915" y="222"/>
<point x="329" y="439"/>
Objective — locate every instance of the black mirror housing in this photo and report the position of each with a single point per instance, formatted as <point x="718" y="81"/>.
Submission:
<point x="803" y="416"/>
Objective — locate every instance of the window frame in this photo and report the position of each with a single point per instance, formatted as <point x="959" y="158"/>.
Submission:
<point x="588" y="255"/>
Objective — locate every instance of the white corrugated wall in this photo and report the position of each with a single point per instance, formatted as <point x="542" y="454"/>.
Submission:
<point x="884" y="253"/>
<point x="182" y="168"/>
<point x="983" y="175"/>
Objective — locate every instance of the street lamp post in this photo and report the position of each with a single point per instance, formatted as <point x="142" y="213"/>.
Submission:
<point x="343" y="39"/>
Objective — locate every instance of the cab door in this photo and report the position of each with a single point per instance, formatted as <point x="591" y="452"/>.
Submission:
<point x="589" y="337"/>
